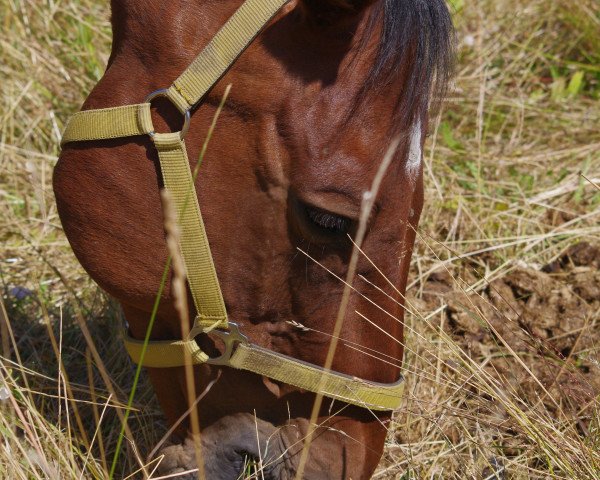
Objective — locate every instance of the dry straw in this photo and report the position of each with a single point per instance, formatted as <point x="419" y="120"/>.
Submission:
<point x="502" y="347"/>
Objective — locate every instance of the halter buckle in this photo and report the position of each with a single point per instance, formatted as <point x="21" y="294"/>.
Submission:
<point x="163" y="92"/>
<point x="230" y="339"/>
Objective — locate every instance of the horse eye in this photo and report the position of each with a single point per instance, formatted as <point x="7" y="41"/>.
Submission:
<point x="330" y="222"/>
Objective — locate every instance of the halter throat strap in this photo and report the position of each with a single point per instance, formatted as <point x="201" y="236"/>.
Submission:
<point x="132" y="120"/>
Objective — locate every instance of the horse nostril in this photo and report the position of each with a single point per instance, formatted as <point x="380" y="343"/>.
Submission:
<point x="236" y="447"/>
<point x="251" y="467"/>
<point x="255" y="468"/>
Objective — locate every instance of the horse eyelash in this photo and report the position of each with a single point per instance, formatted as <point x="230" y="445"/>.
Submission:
<point x="328" y="221"/>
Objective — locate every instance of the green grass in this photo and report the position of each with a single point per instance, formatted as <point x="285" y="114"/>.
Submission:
<point x="512" y="172"/>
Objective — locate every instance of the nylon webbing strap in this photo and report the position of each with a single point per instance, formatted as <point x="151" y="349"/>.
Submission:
<point x="164" y="353"/>
<point x="250" y="357"/>
<point x="356" y="391"/>
<point x="105" y="123"/>
<point x="224" y="48"/>
<point x="202" y="277"/>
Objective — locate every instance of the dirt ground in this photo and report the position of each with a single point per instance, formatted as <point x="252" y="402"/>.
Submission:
<point x="534" y="332"/>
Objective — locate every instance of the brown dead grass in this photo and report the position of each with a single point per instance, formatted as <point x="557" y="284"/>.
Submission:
<point x="503" y="337"/>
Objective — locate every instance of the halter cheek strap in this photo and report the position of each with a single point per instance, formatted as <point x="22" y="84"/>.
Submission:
<point x="132" y="120"/>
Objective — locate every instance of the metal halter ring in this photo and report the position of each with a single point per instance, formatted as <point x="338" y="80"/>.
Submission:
<point x="230" y="339"/>
<point x="163" y="92"/>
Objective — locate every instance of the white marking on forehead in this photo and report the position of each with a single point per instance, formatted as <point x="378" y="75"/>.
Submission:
<point x="413" y="162"/>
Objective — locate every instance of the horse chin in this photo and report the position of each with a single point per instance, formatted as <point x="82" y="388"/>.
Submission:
<point x="238" y="445"/>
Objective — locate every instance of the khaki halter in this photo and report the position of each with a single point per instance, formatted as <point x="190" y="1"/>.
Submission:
<point x="130" y="120"/>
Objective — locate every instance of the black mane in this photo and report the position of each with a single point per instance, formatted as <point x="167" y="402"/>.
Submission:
<point x="423" y="28"/>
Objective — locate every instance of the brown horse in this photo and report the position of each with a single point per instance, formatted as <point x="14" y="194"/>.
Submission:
<point x="315" y="102"/>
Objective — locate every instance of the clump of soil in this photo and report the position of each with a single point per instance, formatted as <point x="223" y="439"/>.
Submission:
<point x="549" y="318"/>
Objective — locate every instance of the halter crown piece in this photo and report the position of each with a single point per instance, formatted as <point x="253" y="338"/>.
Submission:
<point x="131" y="120"/>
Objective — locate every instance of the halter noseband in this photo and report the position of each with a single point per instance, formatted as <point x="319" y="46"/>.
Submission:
<point x="130" y="120"/>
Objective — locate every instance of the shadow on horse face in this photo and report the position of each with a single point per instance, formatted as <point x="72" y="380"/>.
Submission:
<point x="280" y="189"/>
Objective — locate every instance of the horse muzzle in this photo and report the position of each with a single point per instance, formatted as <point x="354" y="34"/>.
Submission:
<point x="243" y="446"/>
<point x="229" y="449"/>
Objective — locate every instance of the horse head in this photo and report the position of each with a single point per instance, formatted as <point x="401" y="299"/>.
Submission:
<point x="315" y="102"/>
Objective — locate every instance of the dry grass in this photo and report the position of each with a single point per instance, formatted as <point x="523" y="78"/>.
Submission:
<point x="513" y="168"/>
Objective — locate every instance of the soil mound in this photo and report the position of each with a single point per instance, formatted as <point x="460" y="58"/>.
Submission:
<point x="549" y="317"/>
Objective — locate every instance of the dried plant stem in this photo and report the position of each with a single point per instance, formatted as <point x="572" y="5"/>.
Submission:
<point x="367" y="205"/>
